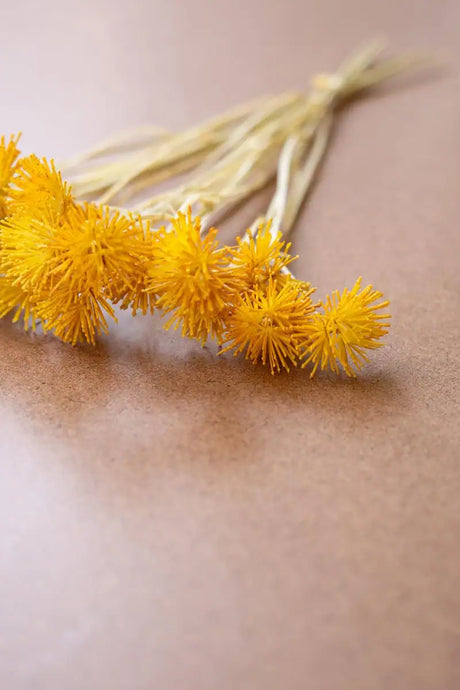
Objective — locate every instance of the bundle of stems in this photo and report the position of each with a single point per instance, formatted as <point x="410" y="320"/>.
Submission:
<point x="232" y="156"/>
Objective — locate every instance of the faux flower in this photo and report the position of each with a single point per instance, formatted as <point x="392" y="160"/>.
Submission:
<point x="130" y="291"/>
<point x="38" y="189"/>
<point x="350" y="324"/>
<point x="74" y="316"/>
<point x="62" y="259"/>
<point x="270" y="323"/>
<point x="191" y="278"/>
<point x="260" y="257"/>
<point x="93" y="249"/>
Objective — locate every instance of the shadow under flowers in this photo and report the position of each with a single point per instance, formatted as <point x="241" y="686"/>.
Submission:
<point x="143" y="400"/>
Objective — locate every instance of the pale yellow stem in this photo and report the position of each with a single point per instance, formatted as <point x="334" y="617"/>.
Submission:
<point x="237" y="153"/>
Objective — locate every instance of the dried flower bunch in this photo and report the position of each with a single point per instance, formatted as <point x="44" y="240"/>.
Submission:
<point x="65" y="262"/>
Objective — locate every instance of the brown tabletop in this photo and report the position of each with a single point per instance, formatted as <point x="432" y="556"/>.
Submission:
<point x="174" y="521"/>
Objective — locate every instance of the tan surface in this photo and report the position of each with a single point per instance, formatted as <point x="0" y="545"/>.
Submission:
<point x="174" y="521"/>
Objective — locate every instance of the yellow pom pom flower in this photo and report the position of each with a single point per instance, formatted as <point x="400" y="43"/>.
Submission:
<point x="40" y="281"/>
<point x="349" y="325"/>
<point x="75" y="316"/>
<point x="270" y="323"/>
<point x="61" y="260"/>
<point x="95" y="246"/>
<point x="9" y="153"/>
<point x="92" y="251"/>
<point x="28" y="252"/>
<point x="130" y="291"/>
<point x="39" y="203"/>
<point x="259" y="258"/>
<point x="191" y="278"/>
<point x="39" y="190"/>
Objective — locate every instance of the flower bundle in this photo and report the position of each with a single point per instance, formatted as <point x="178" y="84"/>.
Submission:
<point x="65" y="262"/>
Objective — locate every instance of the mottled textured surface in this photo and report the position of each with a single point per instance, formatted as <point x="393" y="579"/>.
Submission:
<point x="173" y="520"/>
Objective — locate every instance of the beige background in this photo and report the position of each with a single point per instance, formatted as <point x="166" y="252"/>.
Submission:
<point x="174" y="521"/>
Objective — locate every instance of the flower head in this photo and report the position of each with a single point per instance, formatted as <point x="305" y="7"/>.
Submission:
<point x="74" y="316"/>
<point x="130" y="291"/>
<point x="259" y="258"/>
<point x="28" y="252"/>
<point x="190" y="276"/>
<point x="95" y="246"/>
<point x="39" y="205"/>
<point x="9" y="153"/>
<point x="62" y="259"/>
<point x="87" y="248"/>
<point x="134" y="295"/>
<point x="270" y="323"/>
<point x="349" y="325"/>
<point x="39" y="190"/>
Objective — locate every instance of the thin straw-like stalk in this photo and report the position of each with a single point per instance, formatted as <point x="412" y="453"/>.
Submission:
<point x="238" y="153"/>
<point x="158" y="151"/>
<point x="294" y="180"/>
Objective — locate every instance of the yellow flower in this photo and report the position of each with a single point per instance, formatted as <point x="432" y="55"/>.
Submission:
<point x="135" y="295"/>
<point x="94" y="247"/>
<point x="190" y="276"/>
<point x="260" y="258"/>
<point x="88" y="249"/>
<point x="39" y="190"/>
<point x="270" y="323"/>
<point x="39" y="204"/>
<point x="349" y="325"/>
<point x="9" y="153"/>
<point x="130" y="291"/>
<point x="74" y="316"/>
<point x="63" y="259"/>
<point x="28" y="252"/>
<point x="93" y="251"/>
<point x="40" y="284"/>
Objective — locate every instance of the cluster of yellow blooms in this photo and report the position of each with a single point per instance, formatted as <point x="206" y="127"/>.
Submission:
<point x="65" y="264"/>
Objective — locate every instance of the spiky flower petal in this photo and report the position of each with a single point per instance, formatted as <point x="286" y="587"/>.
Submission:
<point x="270" y="323"/>
<point x="349" y="325"/>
